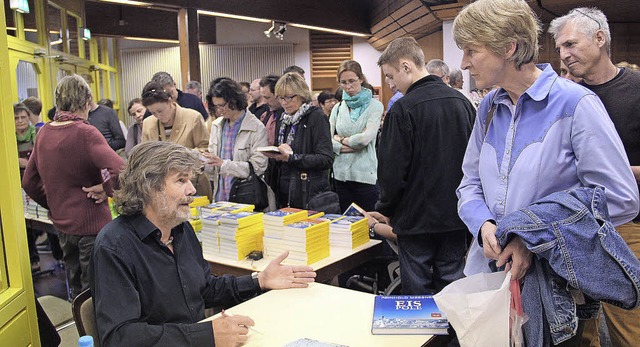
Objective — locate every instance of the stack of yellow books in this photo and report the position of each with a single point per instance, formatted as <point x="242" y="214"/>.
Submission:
<point x="209" y="235"/>
<point x="221" y="207"/>
<point x="240" y="233"/>
<point x="274" y="221"/>
<point x="307" y="242"/>
<point x="348" y="232"/>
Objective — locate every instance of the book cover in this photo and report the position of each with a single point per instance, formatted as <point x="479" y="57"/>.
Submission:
<point x="270" y="149"/>
<point x="354" y="210"/>
<point x="408" y="315"/>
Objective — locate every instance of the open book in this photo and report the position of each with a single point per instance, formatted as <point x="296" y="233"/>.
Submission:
<point x="270" y="149"/>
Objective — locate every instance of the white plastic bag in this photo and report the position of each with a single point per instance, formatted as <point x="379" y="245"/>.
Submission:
<point x="478" y="308"/>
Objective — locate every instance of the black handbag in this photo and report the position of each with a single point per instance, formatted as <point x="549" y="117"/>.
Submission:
<point x="251" y="190"/>
<point x="327" y="201"/>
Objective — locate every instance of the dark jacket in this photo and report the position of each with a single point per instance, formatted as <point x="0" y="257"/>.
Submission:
<point x="106" y="121"/>
<point x="191" y="101"/>
<point x="312" y="154"/>
<point x="422" y="144"/>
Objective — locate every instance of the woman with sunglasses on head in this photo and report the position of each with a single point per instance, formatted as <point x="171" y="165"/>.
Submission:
<point x="304" y="142"/>
<point x="235" y="136"/>
<point x="354" y="126"/>
<point x="170" y="122"/>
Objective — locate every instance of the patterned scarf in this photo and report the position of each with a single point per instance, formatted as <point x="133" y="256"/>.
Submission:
<point x="64" y="116"/>
<point x="293" y="121"/>
<point x="357" y="103"/>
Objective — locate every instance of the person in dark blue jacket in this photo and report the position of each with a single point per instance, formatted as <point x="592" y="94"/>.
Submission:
<point x="185" y="100"/>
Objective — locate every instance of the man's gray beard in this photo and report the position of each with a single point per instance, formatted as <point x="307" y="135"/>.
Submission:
<point x="168" y="216"/>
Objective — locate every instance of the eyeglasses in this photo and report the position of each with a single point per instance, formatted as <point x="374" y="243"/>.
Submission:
<point x="220" y="106"/>
<point x="349" y="82"/>
<point x="588" y="16"/>
<point x="286" y="98"/>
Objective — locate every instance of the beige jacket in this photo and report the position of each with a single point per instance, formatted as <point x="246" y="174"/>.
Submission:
<point x="252" y="134"/>
<point x="188" y="129"/>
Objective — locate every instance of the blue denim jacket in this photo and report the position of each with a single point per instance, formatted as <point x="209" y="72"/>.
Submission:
<point x="577" y="250"/>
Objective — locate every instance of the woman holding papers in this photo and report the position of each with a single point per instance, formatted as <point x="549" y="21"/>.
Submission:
<point x="304" y="142"/>
<point x="235" y="136"/>
<point x="354" y="127"/>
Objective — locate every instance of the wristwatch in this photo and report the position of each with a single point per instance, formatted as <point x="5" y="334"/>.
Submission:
<point x="372" y="230"/>
<point x="256" y="282"/>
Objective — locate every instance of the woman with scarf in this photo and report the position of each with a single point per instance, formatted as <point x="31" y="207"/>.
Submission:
<point x="304" y="142"/>
<point x="71" y="171"/>
<point x="354" y="126"/>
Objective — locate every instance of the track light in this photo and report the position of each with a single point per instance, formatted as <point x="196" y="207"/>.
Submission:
<point x="267" y="32"/>
<point x="278" y="33"/>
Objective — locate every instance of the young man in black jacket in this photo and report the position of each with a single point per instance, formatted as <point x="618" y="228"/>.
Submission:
<point x="422" y="144"/>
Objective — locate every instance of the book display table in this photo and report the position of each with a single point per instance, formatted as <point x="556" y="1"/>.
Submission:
<point x="326" y="269"/>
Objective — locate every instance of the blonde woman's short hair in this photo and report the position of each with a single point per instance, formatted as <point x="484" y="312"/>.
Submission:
<point x="402" y="48"/>
<point x="72" y="94"/>
<point x="294" y="83"/>
<point x="495" y="24"/>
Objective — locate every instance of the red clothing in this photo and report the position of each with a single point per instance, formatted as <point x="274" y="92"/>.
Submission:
<point x="65" y="159"/>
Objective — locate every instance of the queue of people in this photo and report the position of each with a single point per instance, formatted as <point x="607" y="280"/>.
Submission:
<point x="443" y="175"/>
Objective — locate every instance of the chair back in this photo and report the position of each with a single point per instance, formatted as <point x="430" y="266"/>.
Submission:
<point x="85" y="316"/>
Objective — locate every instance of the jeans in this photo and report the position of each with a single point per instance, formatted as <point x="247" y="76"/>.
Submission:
<point x="429" y="262"/>
<point x="364" y="195"/>
<point x="77" y="251"/>
<point x="577" y="251"/>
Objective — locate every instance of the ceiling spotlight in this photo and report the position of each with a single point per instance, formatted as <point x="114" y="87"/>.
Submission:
<point x="280" y="32"/>
<point x="267" y="32"/>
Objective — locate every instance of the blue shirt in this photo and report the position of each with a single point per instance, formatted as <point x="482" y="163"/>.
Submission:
<point x="558" y="136"/>
<point x="393" y="99"/>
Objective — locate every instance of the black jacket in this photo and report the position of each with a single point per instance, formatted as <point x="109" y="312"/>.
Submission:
<point x="312" y="154"/>
<point x="193" y="102"/>
<point x="422" y="145"/>
<point x="106" y="120"/>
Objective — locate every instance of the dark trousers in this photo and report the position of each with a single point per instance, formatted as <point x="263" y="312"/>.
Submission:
<point x="33" y="249"/>
<point x="429" y="262"/>
<point x="77" y="253"/>
<point x="54" y="245"/>
<point x="364" y="195"/>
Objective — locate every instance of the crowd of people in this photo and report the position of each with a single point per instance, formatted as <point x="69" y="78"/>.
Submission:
<point x="441" y="171"/>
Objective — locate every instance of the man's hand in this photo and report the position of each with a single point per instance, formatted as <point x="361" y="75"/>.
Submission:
<point x="379" y="217"/>
<point x="231" y="330"/>
<point x="96" y="193"/>
<point x="520" y="258"/>
<point x="278" y="276"/>
<point x="489" y="242"/>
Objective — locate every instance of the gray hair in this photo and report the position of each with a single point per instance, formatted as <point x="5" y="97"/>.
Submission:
<point x="587" y="20"/>
<point x="455" y="77"/>
<point x="437" y="67"/>
<point x="72" y="94"/>
<point x="149" y="165"/>
<point x="194" y="85"/>
<point x="163" y="78"/>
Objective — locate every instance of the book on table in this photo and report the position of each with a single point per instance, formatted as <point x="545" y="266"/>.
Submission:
<point x="408" y="315"/>
<point x="354" y="210"/>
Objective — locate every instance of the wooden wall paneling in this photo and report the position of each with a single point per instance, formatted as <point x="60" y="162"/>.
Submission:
<point x="625" y="42"/>
<point x="432" y="46"/>
<point x="327" y="52"/>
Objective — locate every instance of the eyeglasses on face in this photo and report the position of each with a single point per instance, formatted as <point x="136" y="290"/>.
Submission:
<point x="220" y="106"/>
<point x="349" y="82"/>
<point x="286" y="98"/>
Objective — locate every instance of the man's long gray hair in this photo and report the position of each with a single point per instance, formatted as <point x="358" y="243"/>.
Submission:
<point x="149" y="165"/>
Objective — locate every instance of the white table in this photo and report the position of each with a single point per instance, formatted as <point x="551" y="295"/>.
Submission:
<point x="321" y="312"/>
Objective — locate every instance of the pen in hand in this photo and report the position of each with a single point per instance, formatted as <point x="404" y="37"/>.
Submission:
<point x="227" y="314"/>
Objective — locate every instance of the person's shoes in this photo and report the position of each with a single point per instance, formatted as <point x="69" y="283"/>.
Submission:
<point x="35" y="266"/>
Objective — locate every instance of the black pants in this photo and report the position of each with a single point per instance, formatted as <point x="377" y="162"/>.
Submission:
<point x="77" y="253"/>
<point x="33" y="249"/>
<point x="429" y="262"/>
<point x="364" y="195"/>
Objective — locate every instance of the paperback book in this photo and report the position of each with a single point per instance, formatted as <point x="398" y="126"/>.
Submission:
<point x="408" y="315"/>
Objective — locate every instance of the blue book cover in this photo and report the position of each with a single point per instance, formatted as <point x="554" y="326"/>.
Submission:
<point x="408" y="315"/>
